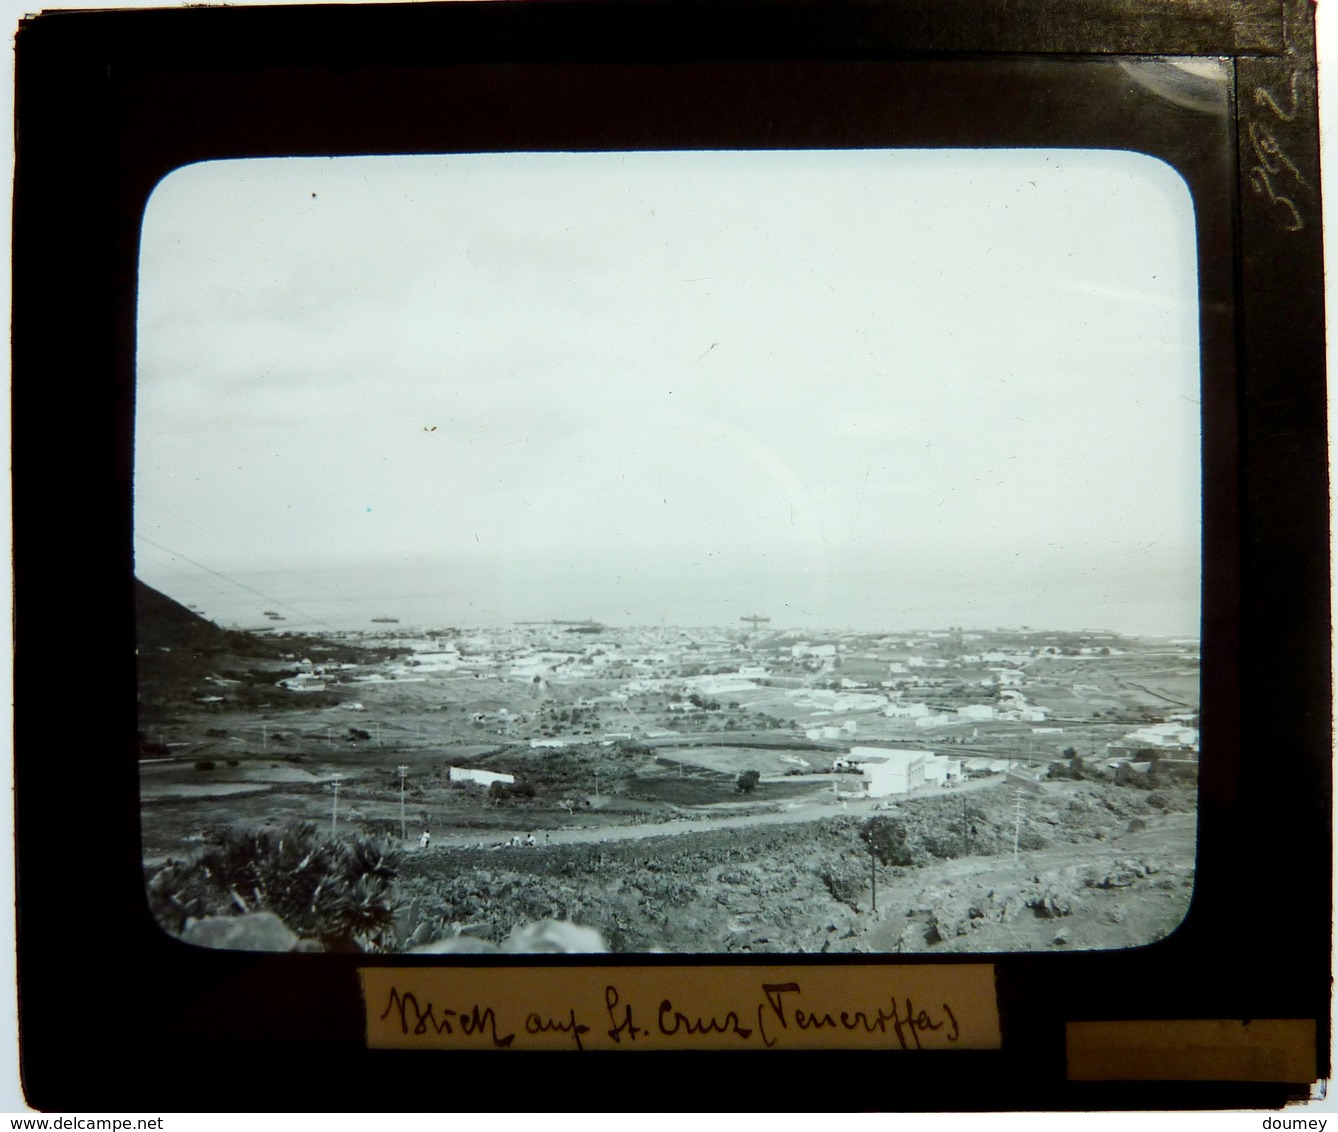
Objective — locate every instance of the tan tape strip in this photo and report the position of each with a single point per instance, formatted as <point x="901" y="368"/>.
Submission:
<point x="1268" y="1049"/>
<point x="856" y="1007"/>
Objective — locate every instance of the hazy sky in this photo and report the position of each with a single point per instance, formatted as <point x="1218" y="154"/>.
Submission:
<point x="870" y="389"/>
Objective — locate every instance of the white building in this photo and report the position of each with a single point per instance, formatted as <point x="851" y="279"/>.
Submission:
<point x="805" y="649"/>
<point x="1172" y="735"/>
<point x="478" y="777"/>
<point x="928" y="721"/>
<point x="303" y="682"/>
<point x="886" y="771"/>
<point x="941" y="769"/>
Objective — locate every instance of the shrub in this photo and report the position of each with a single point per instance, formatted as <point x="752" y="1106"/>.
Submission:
<point x="1126" y="776"/>
<point x="205" y="764"/>
<point x="845" y="882"/>
<point x="340" y="891"/>
<point x="1030" y="839"/>
<point x="948" y="843"/>
<point x="886" y="839"/>
<point x="499" y="791"/>
<point x="748" y="781"/>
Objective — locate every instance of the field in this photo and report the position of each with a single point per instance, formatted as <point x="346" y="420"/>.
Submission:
<point x="677" y="805"/>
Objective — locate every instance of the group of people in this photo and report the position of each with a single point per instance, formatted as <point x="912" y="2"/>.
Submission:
<point x="425" y="839"/>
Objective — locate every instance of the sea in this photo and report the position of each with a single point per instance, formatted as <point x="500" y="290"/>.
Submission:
<point x="367" y="600"/>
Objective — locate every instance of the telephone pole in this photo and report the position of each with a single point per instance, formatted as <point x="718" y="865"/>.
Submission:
<point x="873" y="872"/>
<point x="334" y="819"/>
<point x="403" y="770"/>
<point x="1017" y="826"/>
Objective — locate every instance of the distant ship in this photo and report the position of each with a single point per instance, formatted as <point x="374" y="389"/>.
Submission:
<point x="385" y="620"/>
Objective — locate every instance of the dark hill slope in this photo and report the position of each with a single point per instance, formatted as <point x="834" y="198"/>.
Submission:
<point x="177" y="649"/>
<point x="161" y="623"/>
<point x="180" y="655"/>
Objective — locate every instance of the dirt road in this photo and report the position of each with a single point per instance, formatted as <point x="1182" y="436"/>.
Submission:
<point x="788" y="813"/>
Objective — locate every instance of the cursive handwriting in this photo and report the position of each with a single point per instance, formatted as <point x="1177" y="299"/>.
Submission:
<point x="781" y="1009"/>
<point x="907" y="1025"/>
<point x="536" y="1024"/>
<point x="626" y="1026"/>
<point x="429" y="1020"/>
<point x="681" y="1022"/>
<point x="1264" y="97"/>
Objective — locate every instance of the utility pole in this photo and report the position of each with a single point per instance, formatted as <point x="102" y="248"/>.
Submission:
<point x="1017" y="827"/>
<point x="403" y="770"/>
<point x="873" y="873"/>
<point x="334" y="819"/>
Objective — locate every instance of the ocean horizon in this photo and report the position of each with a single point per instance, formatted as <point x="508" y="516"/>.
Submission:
<point x="345" y="600"/>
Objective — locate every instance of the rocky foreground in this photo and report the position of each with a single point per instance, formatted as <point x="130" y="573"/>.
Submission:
<point x="1098" y="866"/>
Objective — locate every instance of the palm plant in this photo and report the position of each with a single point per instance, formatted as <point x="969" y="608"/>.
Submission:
<point x="338" y="890"/>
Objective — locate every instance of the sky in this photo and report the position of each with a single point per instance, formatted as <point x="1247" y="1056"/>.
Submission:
<point x="860" y="389"/>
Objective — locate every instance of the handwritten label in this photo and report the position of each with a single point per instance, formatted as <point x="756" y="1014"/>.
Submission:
<point x="1272" y="173"/>
<point x="581" y="1008"/>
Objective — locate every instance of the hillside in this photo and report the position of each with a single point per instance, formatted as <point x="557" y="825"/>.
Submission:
<point x="164" y="624"/>
<point x="185" y="661"/>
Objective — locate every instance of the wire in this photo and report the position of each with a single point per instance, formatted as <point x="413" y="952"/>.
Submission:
<point x="234" y="582"/>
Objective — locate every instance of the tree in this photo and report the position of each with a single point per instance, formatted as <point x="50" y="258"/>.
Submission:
<point x="886" y="840"/>
<point x="748" y="781"/>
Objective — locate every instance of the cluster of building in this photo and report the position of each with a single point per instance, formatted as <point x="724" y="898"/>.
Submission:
<point x="923" y="688"/>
